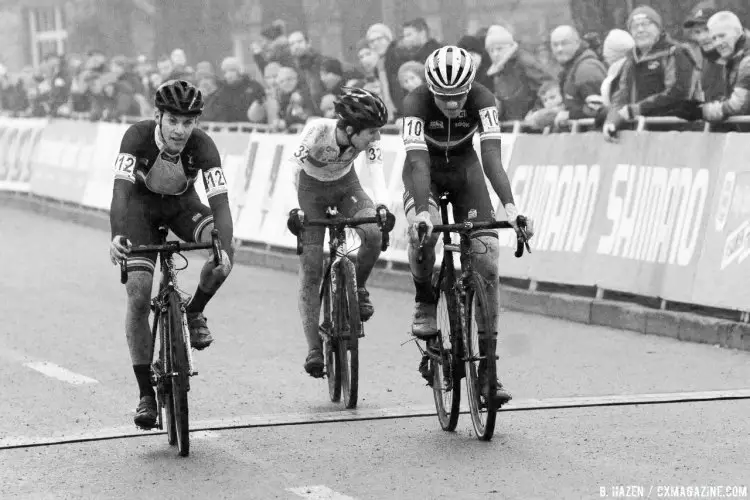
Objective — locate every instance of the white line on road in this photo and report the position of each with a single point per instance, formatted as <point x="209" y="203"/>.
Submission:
<point x="274" y="420"/>
<point x="318" y="492"/>
<point x="60" y="373"/>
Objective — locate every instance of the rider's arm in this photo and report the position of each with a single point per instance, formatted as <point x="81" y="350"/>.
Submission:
<point x="124" y="180"/>
<point x="490" y="147"/>
<point x="417" y="164"/>
<point x="217" y="194"/>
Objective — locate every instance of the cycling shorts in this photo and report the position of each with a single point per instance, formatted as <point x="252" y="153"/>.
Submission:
<point x="185" y="215"/>
<point x="314" y="196"/>
<point x="463" y="179"/>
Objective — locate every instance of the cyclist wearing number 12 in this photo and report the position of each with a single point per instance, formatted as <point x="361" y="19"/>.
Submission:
<point x="324" y="162"/>
<point x="440" y="120"/>
<point x="159" y="162"/>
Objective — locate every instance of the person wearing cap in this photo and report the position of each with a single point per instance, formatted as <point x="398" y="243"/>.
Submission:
<point x="660" y="77"/>
<point x="712" y="70"/>
<point x="516" y="75"/>
<point x="733" y="46"/>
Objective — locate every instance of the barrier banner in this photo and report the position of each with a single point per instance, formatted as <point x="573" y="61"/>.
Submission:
<point x="101" y="173"/>
<point x="724" y="269"/>
<point x="63" y="158"/>
<point x="627" y="216"/>
<point x="18" y="141"/>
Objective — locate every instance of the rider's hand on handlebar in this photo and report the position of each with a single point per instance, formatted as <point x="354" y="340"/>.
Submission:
<point x="221" y="271"/>
<point x="529" y="227"/>
<point x="118" y="251"/>
<point x="421" y="217"/>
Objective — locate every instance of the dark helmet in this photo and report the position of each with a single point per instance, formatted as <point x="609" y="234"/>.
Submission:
<point x="360" y="109"/>
<point x="180" y="98"/>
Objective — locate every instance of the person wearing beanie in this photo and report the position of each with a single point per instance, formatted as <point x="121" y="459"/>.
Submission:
<point x="475" y="46"/>
<point x="331" y="76"/>
<point x="712" y="68"/>
<point x="411" y="75"/>
<point x="516" y="74"/>
<point x="390" y="57"/>
<point x="660" y="77"/>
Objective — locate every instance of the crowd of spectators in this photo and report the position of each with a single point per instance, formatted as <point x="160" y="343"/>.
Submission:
<point x="639" y="70"/>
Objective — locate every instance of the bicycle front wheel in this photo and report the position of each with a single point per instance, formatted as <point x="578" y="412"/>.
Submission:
<point x="350" y="327"/>
<point x="179" y="373"/>
<point x="481" y="375"/>
<point x="330" y="348"/>
<point x="445" y="364"/>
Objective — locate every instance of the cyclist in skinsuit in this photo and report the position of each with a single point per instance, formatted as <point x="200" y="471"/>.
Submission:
<point x="326" y="177"/>
<point x="159" y="162"/>
<point x="440" y="120"/>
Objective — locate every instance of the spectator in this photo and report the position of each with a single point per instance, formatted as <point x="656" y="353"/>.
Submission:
<point x="582" y="74"/>
<point x="615" y="49"/>
<point x="734" y="47"/>
<point x="390" y="57"/>
<point x="203" y="69"/>
<point x="208" y="84"/>
<point x="516" y="74"/>
<point x="331" y="76"/>
<point x="659" y="78"/>
<point x="180" y="69"/>
<point x="295" y="103"/>
<point x="12" y="93"/>
<point x="368" y="59"/>
<point x="712" y="70"/>
<point x="274" y="46"/>
<point x="475" y="47"/>
<point x="235" y="95"/>
<point x="552" y="106"/>
<point x="307" y="62"/>
<point x="417" y="41"/>
<point x="411" y="75"/>
<point x="143" y="70"/>
<point x="165" y="68"/>
<point x="327" y="106"/>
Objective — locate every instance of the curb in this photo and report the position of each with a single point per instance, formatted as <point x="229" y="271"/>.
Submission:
<point x="620" y="315"/>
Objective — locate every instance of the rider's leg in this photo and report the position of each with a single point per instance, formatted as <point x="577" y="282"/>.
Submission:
<point x="313" y="196"/>
<point x="474" y="202"/>
<point x="424" y="321"/>
<point x="354" y="202"/>
<point x="193" y="221"/>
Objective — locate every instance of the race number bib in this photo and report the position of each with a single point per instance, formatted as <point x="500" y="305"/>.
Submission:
<point x="413" y="133"/>
<point x="490" y="120"/>
<point x="125" y="167"/>
<point x="215" y="181"/>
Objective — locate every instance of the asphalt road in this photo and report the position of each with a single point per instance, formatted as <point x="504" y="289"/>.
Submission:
<point x="66" y="375"/>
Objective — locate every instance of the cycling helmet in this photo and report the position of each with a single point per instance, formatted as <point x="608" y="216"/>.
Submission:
<point x="449" y="70"/>
<point x="180" y="98"/>
<point x="360" y="108"/>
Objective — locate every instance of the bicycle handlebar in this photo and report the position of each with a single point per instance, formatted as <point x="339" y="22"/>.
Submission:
<point x="522" y="239"/>
<point x="171" y="247"/>
<point x="383" y="218"/>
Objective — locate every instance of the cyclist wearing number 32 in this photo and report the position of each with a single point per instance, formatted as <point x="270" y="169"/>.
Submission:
<point x="325" y="177"/>
<point x="440" y="120"/>
<point x="155" y="172"/>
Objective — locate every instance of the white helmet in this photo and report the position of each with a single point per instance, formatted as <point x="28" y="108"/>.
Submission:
<point x="449" y="70"/>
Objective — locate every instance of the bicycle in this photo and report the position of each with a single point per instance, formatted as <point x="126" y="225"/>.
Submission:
<point x="341" y="327"/>
<point x="448" y="358"/>
<point x="171" y="371"/>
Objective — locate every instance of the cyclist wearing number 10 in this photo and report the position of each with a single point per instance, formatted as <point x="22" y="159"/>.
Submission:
<point x="440" y="120"/>
<point x="159" y="162"/>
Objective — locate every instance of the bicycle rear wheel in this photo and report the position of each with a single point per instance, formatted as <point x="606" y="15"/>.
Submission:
<point x="481" y="406"/>
<point x="446" y="383"/>
<point x="179" y="373"/>
<point x="350" y="327"/>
